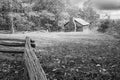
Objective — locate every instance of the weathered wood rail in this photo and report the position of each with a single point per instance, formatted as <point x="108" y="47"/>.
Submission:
<point x="24" y="49"/>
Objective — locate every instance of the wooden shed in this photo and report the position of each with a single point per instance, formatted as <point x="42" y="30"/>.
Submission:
<point x="77" y="24"/>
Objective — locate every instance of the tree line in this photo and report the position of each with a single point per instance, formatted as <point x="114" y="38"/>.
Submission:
<point x="51" y="15"/>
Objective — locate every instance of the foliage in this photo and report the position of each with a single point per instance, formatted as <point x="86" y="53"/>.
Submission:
<point x="73" y="11"/>
<point x="114" y="28"/>
<point x="49" y="15"/>
<point x="110" y="27"/>
<point x="77" y="61"/>
<point x="63" y="19"/>
<point x="4" y="8"/>
<point x="7" y="7"/>
<point x="51" y="7"/>
<point x="20" y="21"/>
<point x="3" y="20"/>
<point x="44" y="20"/>
<point x="104" y="26"/>
<point x="12" y="70"/>
<point x="54" y="6"/>
<point x="39" y="14"/>
<point x="88" y="14"/>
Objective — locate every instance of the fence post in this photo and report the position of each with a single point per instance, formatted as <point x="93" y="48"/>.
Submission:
<point x="33" y="65"/>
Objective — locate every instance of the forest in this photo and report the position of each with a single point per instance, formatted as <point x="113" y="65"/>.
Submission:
<point x="32" y="15"/>
<point x="52" y="15"/>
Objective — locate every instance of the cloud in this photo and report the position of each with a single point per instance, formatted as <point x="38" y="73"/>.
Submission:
<point x="77" y="3"/>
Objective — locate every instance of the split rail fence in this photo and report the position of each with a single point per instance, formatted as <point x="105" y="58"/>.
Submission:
<point x="23" y="50"/>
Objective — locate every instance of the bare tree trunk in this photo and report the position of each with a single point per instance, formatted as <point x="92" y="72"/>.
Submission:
<point x="75" y="29"/>
<point x="63" y="28"/>
<point x="12" y="26"/>
<point x="11" y="18"/>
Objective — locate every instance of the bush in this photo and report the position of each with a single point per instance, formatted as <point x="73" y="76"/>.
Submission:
<point x="114" y="28"/>
<point x="104" y="26"/>
<point x="111" y="27"/>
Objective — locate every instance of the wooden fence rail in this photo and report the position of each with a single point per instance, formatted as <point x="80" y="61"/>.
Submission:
<point x="24" y="47"/>
<point x="32" y="63"/>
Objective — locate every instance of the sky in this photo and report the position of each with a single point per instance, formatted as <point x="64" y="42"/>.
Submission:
<point x="114" y="13"/>
<point x="80" y="2"/>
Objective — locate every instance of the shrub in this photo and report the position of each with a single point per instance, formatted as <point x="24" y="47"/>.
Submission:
<point x="104" y="26"/>
<point x="111" y="27"/>
<point x="114" y="28"/>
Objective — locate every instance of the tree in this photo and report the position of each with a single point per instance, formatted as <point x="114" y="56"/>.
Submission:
<point x="64" y="18"/>
<point x="21" y="22"/>
<point x="54" y="6"/>
<point x="15" y="14"/>
<point x="88" y="14"/>
<point x="6" y="8"/>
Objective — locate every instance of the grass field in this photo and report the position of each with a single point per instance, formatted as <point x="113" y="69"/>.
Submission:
<point x="73" y="61"/>
<point x="76" y="56"/>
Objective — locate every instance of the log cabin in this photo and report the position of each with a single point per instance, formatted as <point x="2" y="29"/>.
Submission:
<point x="76" y="24"/>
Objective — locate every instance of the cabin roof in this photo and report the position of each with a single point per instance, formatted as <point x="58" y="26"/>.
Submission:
<point x="81" y="21"/>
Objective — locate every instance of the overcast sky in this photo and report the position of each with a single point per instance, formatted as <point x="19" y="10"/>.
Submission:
<point x="79" y="3"/>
